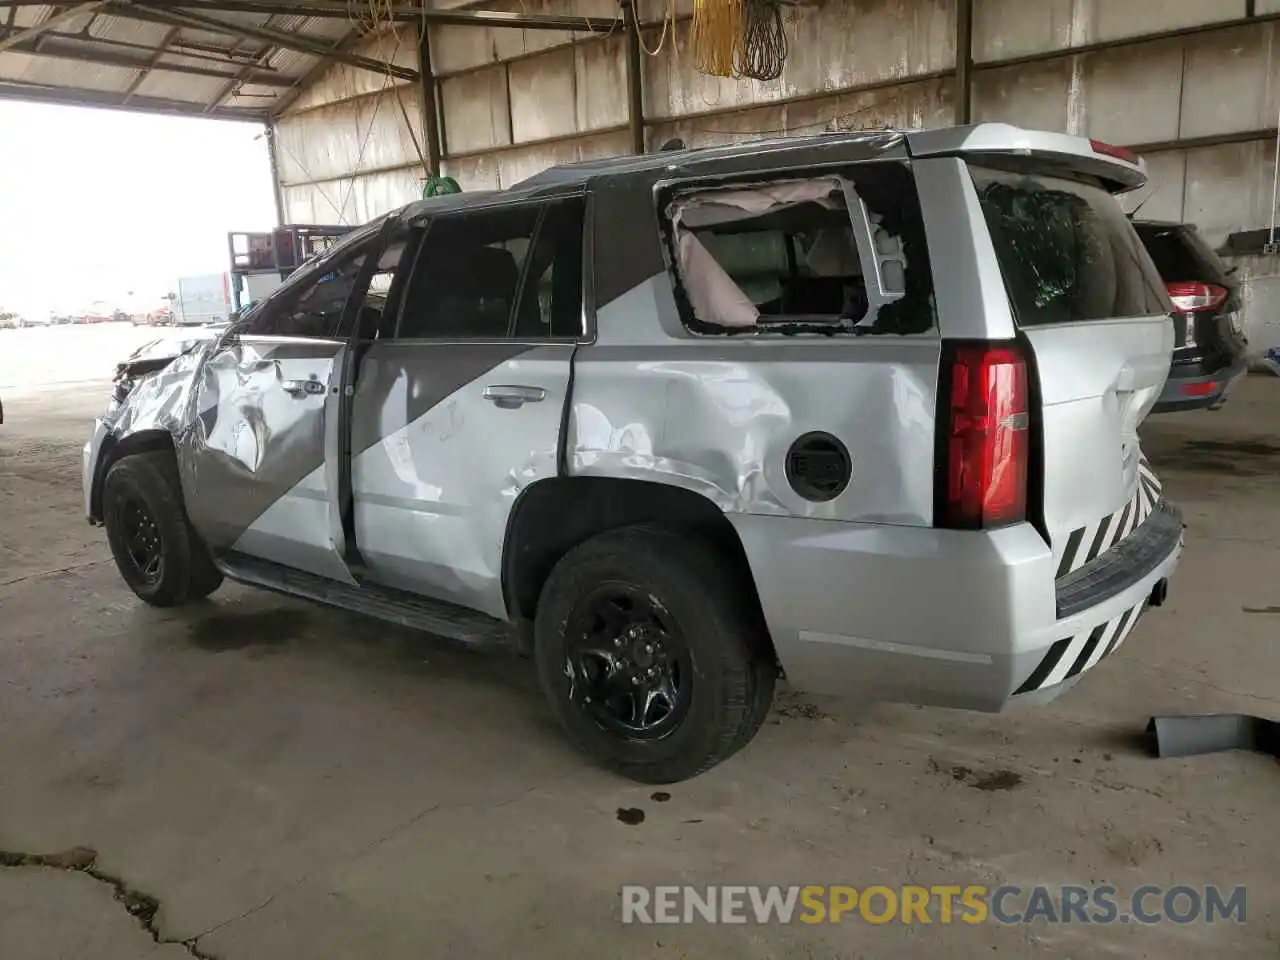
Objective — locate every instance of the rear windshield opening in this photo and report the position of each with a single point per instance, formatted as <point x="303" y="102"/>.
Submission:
<point x="1181" y="255"/>
<point x="816" y="255"/>
<point x="1067" y="252"/>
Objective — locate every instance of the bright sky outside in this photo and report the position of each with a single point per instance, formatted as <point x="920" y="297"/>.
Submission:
<point x="97" y="203"/>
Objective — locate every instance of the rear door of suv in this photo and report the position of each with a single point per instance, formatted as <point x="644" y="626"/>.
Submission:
<point x="1093" y="309"/>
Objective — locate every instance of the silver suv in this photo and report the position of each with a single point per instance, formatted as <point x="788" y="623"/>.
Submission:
<point x="859" y="410"/>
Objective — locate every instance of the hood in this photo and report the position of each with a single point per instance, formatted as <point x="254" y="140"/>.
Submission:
<point x="159" y="353"/>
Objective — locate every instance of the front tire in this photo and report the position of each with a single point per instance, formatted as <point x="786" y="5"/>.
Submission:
<point x="651" y="654"/>
<point x="155" y="547"/>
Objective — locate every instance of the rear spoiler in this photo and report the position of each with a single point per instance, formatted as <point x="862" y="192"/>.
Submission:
<point x="1120" y="169"/>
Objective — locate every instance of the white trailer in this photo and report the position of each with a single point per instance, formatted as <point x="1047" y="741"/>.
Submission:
<point x="202" y="299"/>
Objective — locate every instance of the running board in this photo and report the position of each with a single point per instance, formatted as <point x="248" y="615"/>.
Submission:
<point x="394" y="606"/>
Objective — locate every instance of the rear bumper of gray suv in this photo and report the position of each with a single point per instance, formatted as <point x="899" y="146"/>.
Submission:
<point x="971" y="619"/>
<point x="1196" y="390"/>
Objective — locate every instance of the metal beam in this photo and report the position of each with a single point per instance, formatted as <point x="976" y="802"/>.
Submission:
<point x="1122" y="42"/>
<point x="301" y="85"/>
<point x="1211" y="140"/>
<point x="635" y="82"/>
<point x="37" y="93"/>
<point x="145" y="72"/>
<point x="56" y="48"/>
<point x="411" y="13"/>
<point x="431" y="120"/>
<point x="22" y="36"/>
<point x="155" y="13"/>
<point x="963" y="92"/>
<point x="240" y="77"/>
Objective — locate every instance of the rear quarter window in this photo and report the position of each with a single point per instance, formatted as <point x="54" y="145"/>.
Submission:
<point x="792" y="252"/>
<point x="1066" y="250"/>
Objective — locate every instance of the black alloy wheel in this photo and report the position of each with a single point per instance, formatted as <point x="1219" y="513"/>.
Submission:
<point x="652" y="652"/>
<point x="629" y="665"/>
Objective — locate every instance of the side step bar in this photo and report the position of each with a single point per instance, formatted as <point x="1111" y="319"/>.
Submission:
<point x="384" y="603"/>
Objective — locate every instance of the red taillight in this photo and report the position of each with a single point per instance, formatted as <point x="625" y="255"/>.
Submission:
<point x="986" y="423"/>
<point x="1198" y="389"/>
<point x="1111" y="150"/>
<point x="1197" y="297"/>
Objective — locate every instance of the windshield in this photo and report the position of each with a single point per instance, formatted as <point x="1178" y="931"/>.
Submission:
<point x="308" y="269"/>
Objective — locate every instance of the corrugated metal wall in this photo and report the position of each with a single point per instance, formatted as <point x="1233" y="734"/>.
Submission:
<point x="344" y="149"/>
<point x="515" y="101"/>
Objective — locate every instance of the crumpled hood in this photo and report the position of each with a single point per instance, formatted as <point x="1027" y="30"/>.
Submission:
<point x="156" y="354"/>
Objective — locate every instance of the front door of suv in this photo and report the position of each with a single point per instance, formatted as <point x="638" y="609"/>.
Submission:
<point x="459" y="404"/>
<point x="259" y="466"/>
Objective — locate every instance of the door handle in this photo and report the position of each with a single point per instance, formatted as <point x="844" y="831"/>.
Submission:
<point x="301" y="388"/>
<point x="511" y="397"/>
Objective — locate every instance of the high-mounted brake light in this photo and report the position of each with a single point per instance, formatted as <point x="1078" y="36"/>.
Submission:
<point x="1111" y="150"/>
<point x="985" y="423"/>
<point x="1197" y="297"/>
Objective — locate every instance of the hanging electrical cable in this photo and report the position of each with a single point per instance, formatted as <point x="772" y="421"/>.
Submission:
<point x="715" y="35"/>
<point x="762" y="53"/>
<point x="742" y="38"/>
<point x="668" y="24"/>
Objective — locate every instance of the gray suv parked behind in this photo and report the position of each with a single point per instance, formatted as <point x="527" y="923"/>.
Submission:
<point x="859" y="410"/>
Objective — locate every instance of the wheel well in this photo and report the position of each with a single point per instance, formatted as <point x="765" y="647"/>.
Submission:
<point x="553" y="516"/>
<point x="144" y="441"/>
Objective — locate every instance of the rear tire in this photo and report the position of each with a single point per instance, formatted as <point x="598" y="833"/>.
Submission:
<point x="676" y="596"/>
<point x="155" y="547"/>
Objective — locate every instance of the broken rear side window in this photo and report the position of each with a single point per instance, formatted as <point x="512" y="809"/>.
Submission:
<point x="840" y="252"/>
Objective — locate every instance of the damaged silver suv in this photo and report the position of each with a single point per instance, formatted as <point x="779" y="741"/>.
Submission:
<point x="857" y="410"/>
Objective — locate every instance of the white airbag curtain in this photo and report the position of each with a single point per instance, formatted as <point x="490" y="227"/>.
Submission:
<point x="713" y="295"/>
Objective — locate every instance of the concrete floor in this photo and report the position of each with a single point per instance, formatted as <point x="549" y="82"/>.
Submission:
<point x="286" y="781"/>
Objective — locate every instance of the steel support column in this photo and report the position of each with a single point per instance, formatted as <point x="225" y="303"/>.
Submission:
<point x="432" y="128"/>
<point x="635" y="79"/>
<point x="269" y="131"/>
<point x="964" y="62"/>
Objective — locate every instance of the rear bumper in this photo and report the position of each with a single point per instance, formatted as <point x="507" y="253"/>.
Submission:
<point x="1197" y="390"/>
<point x="941" y="617"/>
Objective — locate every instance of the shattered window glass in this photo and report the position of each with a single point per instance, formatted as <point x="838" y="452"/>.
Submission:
<point x="791" y="255"/>
<point x="1066" y="250"/>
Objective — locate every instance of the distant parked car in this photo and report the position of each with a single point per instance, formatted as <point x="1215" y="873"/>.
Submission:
<point x="1209" y="340"/>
